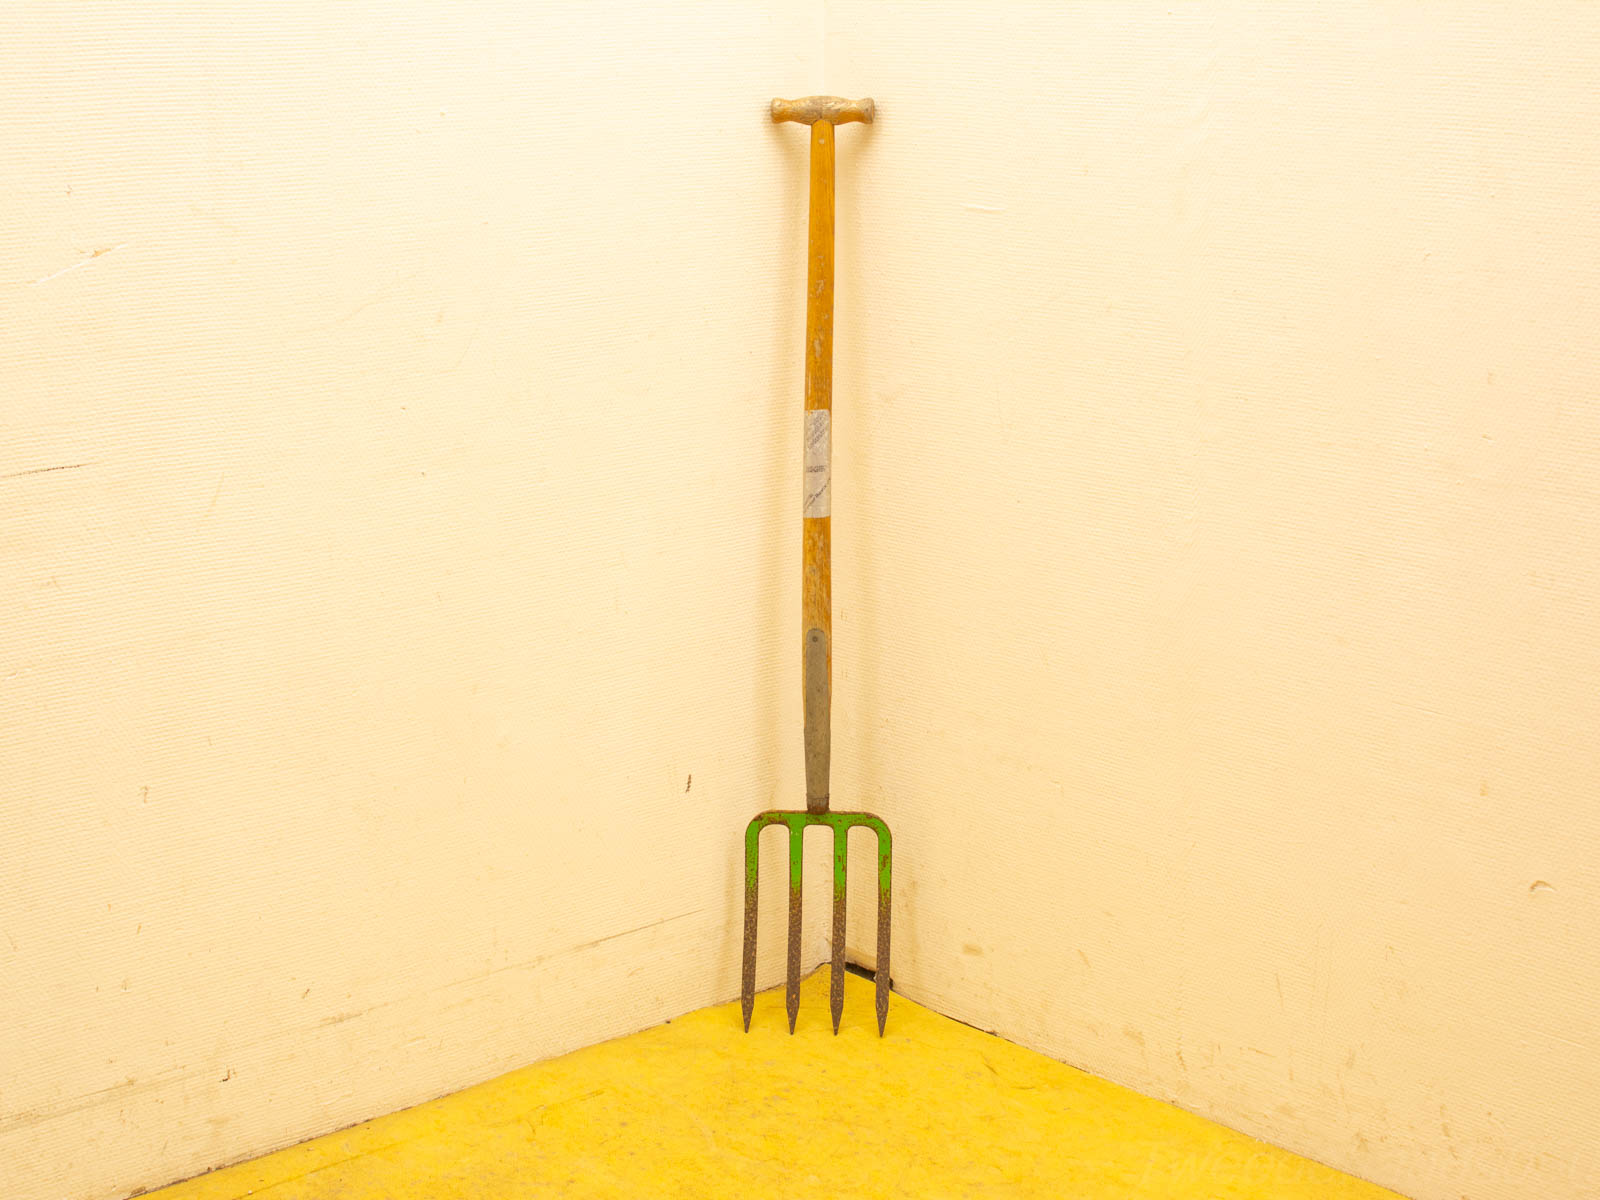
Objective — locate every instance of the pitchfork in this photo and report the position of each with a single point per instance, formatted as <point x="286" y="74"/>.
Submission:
<point x="822" y="113"/>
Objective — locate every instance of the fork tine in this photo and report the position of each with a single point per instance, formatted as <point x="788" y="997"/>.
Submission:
<point x="841" y="834"/>
<point x="752" y="868"/>
<point x="791" y="997"/>
<point x="882" y="973"/>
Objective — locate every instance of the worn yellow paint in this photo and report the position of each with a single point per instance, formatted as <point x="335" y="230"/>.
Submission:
<point x="697" y="1108"/>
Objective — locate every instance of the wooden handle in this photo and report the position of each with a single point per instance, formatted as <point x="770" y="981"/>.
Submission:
<point x="833" y="109"/>
<point x="816" y="603"/>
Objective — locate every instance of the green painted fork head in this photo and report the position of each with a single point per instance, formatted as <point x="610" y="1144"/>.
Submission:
<point x="841" y="823"/>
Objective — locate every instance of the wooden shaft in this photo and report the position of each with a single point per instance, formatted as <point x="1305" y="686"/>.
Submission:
<point x="816" y="604"/>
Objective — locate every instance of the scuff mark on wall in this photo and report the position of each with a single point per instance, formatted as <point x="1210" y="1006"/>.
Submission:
<point x="47" y="470"/>
<point x="82" y="262"/>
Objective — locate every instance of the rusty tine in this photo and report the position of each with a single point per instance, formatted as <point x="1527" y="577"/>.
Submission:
<point x="791" y="991"/>
<point x="822" y="113"/>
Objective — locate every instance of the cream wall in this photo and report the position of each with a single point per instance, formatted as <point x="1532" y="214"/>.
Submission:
<point x="394" y="431"/>
<point x="1218" y="513"/>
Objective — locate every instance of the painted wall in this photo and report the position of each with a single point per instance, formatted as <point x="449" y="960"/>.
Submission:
<point x="1218" y="511"/>
<point x="395" y="415"/>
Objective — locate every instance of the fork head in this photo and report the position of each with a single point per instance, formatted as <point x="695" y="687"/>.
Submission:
<point x="796" y="822"/>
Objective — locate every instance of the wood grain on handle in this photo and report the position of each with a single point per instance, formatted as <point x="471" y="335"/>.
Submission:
<point x="833" y="109"/>
<point x="816" y="592"/>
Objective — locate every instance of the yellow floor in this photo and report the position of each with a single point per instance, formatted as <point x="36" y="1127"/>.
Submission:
<point x="697" y="1108"/>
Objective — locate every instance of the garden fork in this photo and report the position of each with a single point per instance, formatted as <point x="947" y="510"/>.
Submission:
<point x="822" y="113"/>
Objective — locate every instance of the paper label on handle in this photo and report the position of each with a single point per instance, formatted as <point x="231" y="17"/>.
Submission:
<point x="819" y="483"/>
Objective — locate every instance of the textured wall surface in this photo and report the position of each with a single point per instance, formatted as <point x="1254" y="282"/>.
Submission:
<point x="395" y="415"/>
<point x="1219" y="463"/>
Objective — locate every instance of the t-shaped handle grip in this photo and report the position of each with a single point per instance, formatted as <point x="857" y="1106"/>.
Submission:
<point x="833" y="109"/>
